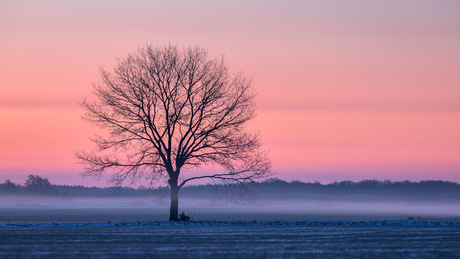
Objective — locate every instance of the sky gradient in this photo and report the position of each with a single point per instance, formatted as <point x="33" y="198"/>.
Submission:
<point x="346" y="91"/>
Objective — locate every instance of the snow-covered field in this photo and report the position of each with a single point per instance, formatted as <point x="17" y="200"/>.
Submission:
<point x="231" y="240"/>
<point x="114" y="228"/>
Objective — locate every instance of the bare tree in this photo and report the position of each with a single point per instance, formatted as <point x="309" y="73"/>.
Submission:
<point x="168" y="109"/>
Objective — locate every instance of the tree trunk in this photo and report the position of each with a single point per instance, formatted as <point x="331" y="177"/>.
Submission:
<point x="174" y="209"/>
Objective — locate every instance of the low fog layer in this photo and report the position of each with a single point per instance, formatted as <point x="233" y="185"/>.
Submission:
<point x="33" y="210"/>
<point x="271" y="190"/>
<point x="268" y="201"/>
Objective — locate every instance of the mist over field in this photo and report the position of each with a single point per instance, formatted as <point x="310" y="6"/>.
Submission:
<point x="272" y="200"/>
<point x="273" y="218"/>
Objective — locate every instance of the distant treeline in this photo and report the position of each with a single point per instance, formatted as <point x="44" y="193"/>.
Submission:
<point x="36" y="185"/>
<point x="271" y="189"/>
<point x="363" y="190"/>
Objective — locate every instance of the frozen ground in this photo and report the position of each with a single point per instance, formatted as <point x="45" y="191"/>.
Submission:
<point x="98" y="229"/>
<point x="231" y="241"/>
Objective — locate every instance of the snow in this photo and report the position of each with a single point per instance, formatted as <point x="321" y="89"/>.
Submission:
<point x="394" y="238"/>
<point x="242" y="223"/>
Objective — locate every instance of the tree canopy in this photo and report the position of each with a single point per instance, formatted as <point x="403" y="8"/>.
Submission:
<point x="166" y="109"/>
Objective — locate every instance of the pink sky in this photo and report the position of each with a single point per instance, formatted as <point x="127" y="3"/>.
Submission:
<point x="347" y="90"/>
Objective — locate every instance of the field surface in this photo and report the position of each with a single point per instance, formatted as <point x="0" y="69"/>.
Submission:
<point x="243" y="240"/>
<point x="226" y="232"/>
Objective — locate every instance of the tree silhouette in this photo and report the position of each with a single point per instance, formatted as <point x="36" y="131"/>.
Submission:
<point x="8" y="187"/>
<point x="37" y="184"/>
<point x="169" y="109"/>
